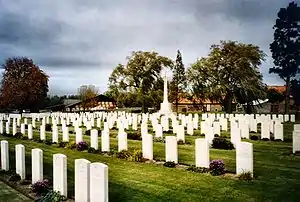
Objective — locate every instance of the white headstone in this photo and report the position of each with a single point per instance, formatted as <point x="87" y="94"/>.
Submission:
<point x="265" y="129"/>
<point x="37" y="165"/>
<point x="1" y="127"/>
<point x="286" y="118"/>
<point x="202" y="152"/>
<point x="171" y="149"/>
<point x="180" y="133"/>
<point x="30" y="133"/>
<point x="55" y="134"/>
<point x="20" y="160"/>
<point x="293" y="118"/>
<point x="94" y="139"/>
<point x="78" y="135"/>
<point x="98" y="182"/>
<point x="42" y="132"/>
<point x="122" y="141"/>
<point x="278" y="131"/>
<point x="14" y="127"/>
<point x="66" y="134"/>
<point x="147" y="146"/>
<point x="60" y="174"/>
<point x="296" y="141"/>
<point x="4" y="155"/>
<point x="7" y="128"/>
<point x="23" y="128"/>
<point x="244" y="157"/>
<point x="82" y="180"/>
<point x="158" y="131"/>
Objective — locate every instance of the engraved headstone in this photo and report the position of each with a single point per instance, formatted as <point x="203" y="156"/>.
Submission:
<point x="37" y="165"/>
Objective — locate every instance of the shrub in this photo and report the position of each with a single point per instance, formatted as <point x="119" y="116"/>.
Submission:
<point x="48" y="142"/>
<point x="52" y="196"/>
<point x="92" y="150"/>
<point x="24" y="138"/>
<point x="14" y="177"/>
<point x="170" y="164"/>
<point x="253" y="137"/>
<point x="272" y="138"/>
<point x="87" y="132"/>
<point x="159" y="139"/>
<point x="63" y="144"/>
<point x="137" y="156"/>
<point x="180" y="142"/>
<point x="246" y="176"/>
<point x="134" y="135"/>
<point x="81" y="146"/>
<point x="6" y="135"/>
<point x="48" y="127"/>
<point x="40" y="187"/>
<point x="195" y="169"/>
<point x="18" y="135"/>
<point x="217" y="167"/>
<point x="124" y="154"/>
<point x="222" y="143"/>
<point x="72" y="145"/>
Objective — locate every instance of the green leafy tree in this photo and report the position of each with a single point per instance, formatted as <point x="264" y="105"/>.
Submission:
<point x="24" y="84"/>
<point x="178" y="82"/>
<point x="138" y="79"/>
<point x="274" y="96"/>
<point x="229" y="73"/>
<point x="295" y="92"/>
<point x="286" y="46"/>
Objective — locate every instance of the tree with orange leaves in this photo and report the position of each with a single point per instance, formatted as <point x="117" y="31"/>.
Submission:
<point x="24" y="85"/>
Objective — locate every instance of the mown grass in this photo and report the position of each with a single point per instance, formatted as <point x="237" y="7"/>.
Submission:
<point x="8" y="194"/>
<point x="277" y="169"/>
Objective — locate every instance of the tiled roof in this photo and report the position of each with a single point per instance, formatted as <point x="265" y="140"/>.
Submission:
<point x="280" y="89"/>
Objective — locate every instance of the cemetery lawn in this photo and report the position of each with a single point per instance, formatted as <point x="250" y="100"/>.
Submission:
<point x="8" y="194"/>
<point x="277" y="170"/>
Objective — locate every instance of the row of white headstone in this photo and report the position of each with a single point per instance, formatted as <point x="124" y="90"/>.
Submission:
<point x="91" y="179"/>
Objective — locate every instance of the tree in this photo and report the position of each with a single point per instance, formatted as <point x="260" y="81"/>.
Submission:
<point x="24" y="84"/>
<point x="295" y="89"/>
<point x="274" y="96"/>
<point x="86" y="94"/>
<point x="229" y="73"/>
<point x="286" y="46"/>
<point x="178" y="81"/>
<point x="138" y="80"/>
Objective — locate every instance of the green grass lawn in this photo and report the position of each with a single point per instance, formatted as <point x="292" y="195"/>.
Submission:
<point x="8" y="194"/>
<point x="277" y="169"/>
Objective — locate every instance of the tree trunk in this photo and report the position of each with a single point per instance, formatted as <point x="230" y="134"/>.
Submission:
<point x="298" y="113"/>
<point x="287" y="96"/>
<point x="177" y="98"/>
<point x="228" y="102"/>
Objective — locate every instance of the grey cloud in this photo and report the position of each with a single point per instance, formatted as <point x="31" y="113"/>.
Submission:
<point x="91" y="37"/>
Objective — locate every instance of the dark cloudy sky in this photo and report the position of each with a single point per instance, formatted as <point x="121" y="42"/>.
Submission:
<point x="80" y="41"/>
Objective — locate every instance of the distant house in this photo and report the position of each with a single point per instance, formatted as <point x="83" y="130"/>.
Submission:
<point x="187" y="105"/>
<point x="102" y="102"/>
<point x="269" y="107"/>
